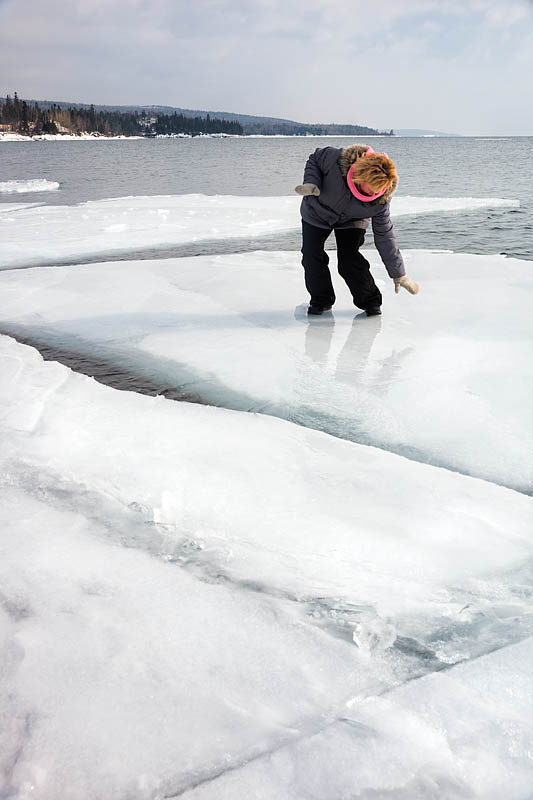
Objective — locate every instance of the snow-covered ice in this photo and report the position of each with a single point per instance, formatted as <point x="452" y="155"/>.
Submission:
<point x="203" y="603"/>
<point x="59" y="233"/>
<point x="458" y="735"/>
<point x="23" y="187"/>
<point x="444" y="377"/>
<point x="122" y="675"/>
<point x="197" y="597"/>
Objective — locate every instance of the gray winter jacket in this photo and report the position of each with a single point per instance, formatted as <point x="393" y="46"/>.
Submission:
<point x="336" y="207"/>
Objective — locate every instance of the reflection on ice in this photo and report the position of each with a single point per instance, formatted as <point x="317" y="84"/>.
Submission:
<point x="443" y="377"/>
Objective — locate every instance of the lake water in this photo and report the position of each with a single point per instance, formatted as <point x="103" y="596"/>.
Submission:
<point x="428" y="167"/>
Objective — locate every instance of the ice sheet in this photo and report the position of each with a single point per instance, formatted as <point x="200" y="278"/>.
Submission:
<point x="458" y="735"/>
<point x="444" y="377"/>
<point x="23" y="187"/>
<point x="123" y="676"/>
<point x="187" y="589"/>
<point x="58" y="233"/>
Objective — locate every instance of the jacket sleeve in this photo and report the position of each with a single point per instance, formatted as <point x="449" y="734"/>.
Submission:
<point x="386" y="243"/>
<point x="316" y="166"/>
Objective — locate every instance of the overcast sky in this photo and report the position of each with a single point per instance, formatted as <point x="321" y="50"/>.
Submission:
<point x="463" y="67"/>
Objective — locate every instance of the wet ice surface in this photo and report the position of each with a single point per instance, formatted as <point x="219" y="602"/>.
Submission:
<point x="444" y="377"/>
<point x="202" y="603"/>
<point x="53" y="233"/>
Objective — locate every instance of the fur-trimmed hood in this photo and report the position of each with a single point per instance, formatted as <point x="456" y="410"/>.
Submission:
<point x="351" y="154"/>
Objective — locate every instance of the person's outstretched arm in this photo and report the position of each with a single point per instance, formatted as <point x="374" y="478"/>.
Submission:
<point x="387" y="247"/>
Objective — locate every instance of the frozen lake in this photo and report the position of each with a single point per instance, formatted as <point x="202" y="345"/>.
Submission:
<point x="316" y="579"/>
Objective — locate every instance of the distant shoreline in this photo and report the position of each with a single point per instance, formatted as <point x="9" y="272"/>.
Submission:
<point x="85" y="137"/>
<point x="94" y="137"/>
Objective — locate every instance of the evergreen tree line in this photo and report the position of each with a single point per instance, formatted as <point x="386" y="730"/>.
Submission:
<point x="26" y="118"/>
<point x="276" y="128"/>
<point x="178" y="123"/>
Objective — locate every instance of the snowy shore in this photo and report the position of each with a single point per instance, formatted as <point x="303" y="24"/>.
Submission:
<point x="49" y="137"/>
<point x="98" y="137"/>
<point x="62" y="137"/>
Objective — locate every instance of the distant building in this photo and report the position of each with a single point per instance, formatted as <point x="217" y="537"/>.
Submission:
<point x="61" y="128"/>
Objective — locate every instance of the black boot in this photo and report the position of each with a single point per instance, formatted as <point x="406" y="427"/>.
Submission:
<point x="373" y="311"/>
<point x="316" y="309"/>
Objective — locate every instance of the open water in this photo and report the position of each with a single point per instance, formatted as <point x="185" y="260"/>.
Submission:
<point x="428" y="167"/>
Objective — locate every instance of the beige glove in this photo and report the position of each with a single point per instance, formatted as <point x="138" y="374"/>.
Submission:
<point x="307" y="188"/>
<point x="407" y="283"/>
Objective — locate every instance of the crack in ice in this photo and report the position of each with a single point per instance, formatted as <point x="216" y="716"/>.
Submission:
<point x="187" y="783"/>
<point x="107" y="371"/>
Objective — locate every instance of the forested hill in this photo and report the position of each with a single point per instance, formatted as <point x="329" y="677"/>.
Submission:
<point x="272" y="126"/>
<point x="150" y="120"/>
<point x="35" y="117"/>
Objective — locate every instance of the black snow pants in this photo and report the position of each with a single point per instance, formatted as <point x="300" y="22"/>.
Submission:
<point x="352" y="266"/>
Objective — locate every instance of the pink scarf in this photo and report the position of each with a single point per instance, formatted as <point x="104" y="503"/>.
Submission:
<point x="366" y="198"/>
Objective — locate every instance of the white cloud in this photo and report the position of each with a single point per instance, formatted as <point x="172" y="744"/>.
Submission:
<point x="418" y="63"/>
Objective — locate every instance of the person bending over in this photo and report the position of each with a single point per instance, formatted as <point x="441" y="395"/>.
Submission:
<point x="342" y="189"/>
